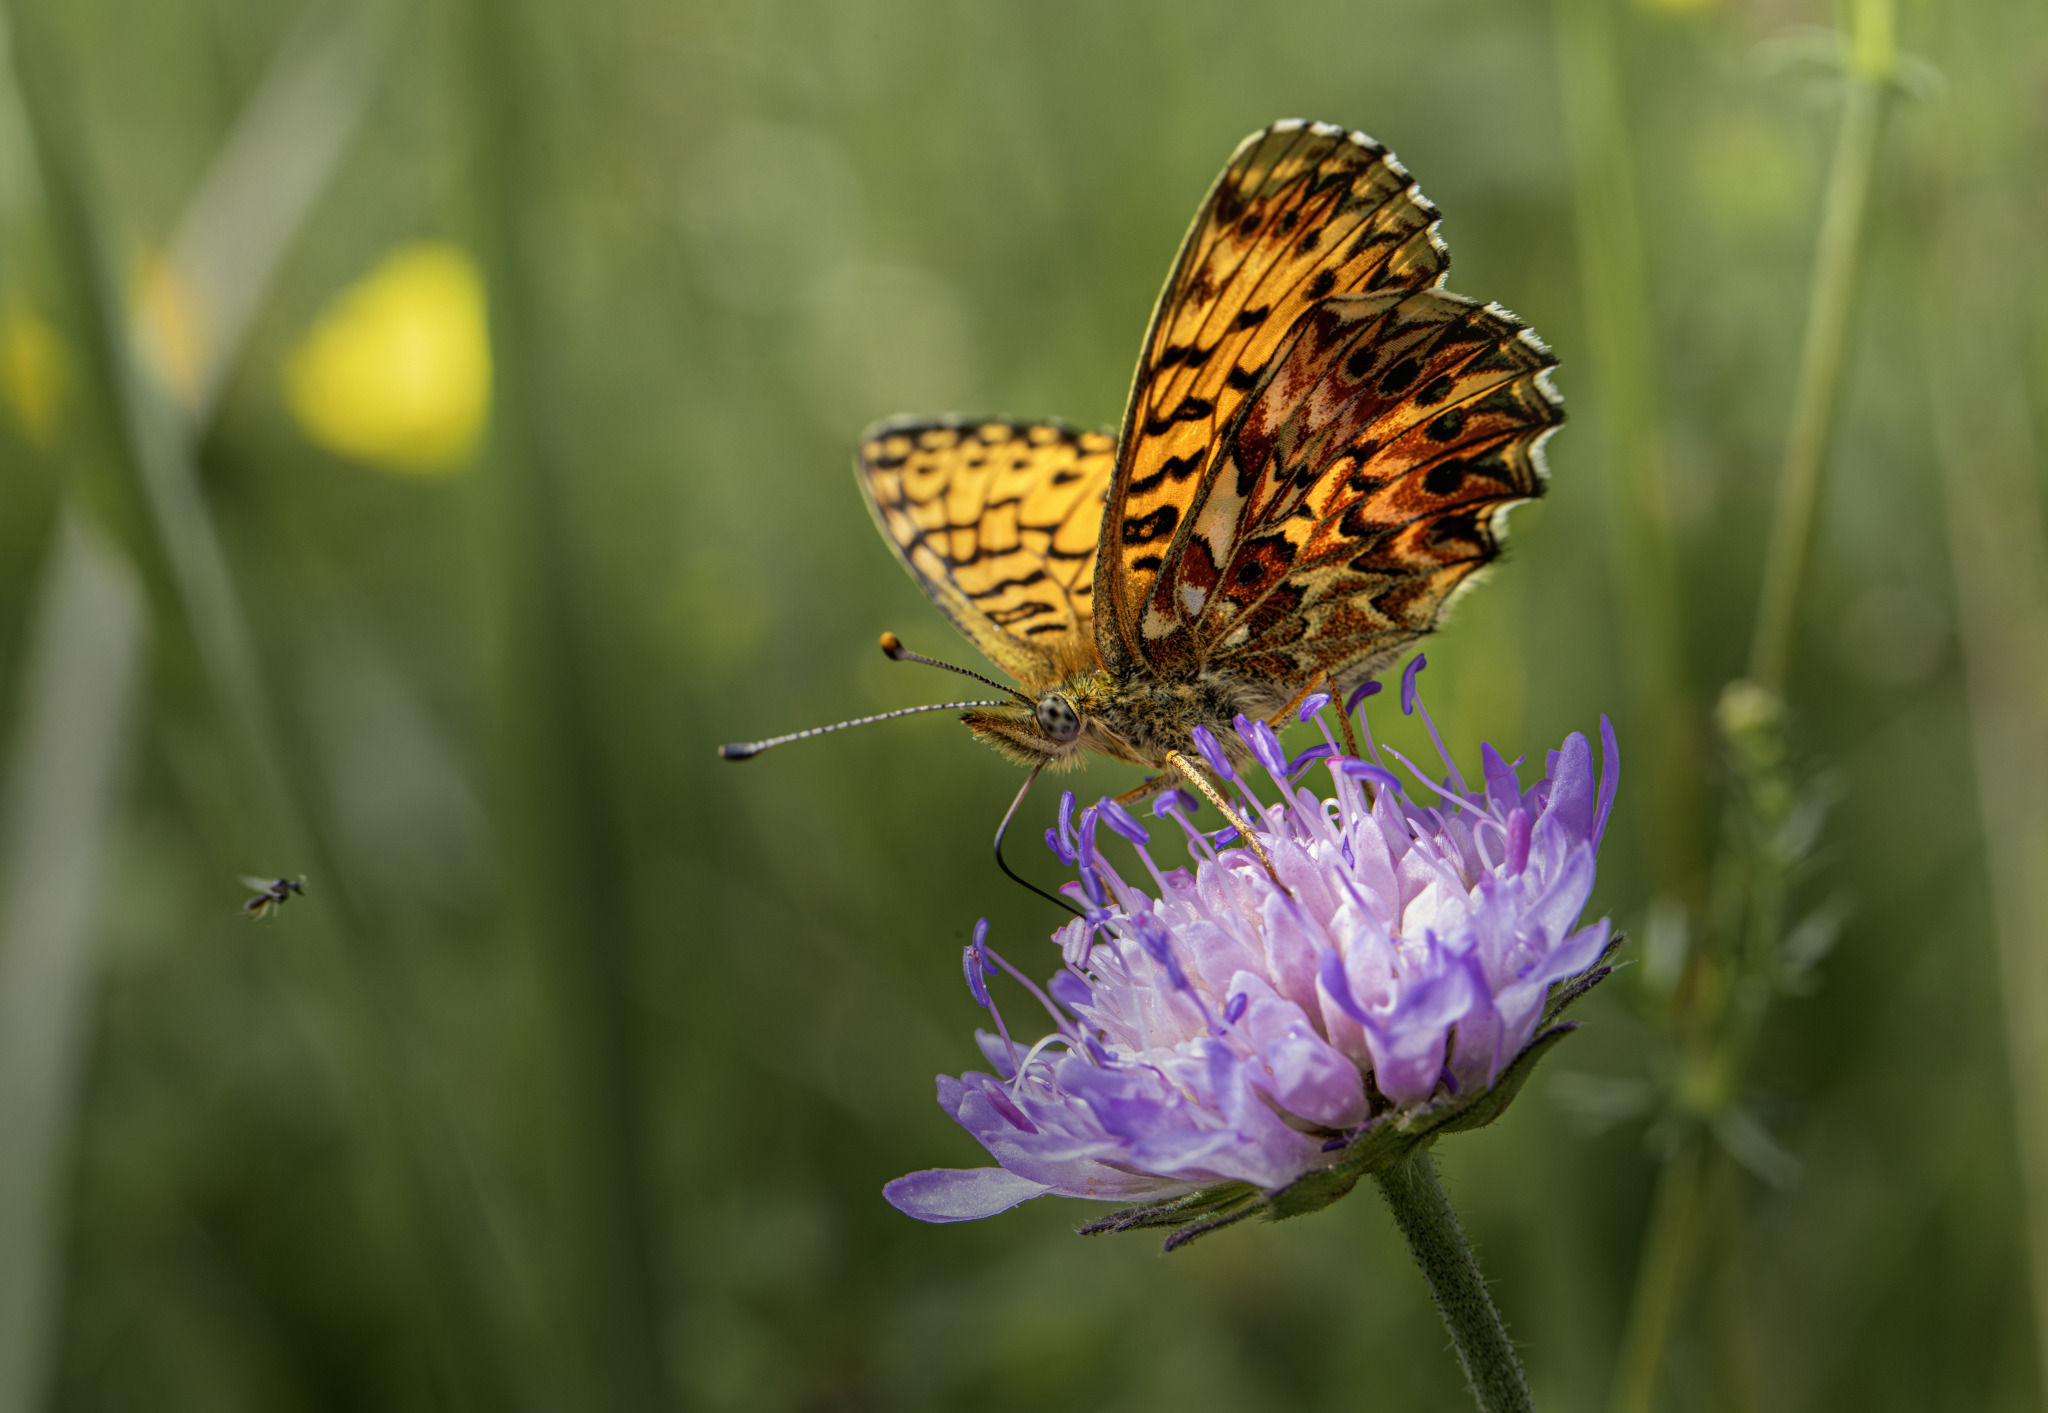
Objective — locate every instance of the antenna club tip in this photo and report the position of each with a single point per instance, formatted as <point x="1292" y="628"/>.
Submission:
<point x="737" y="750"/>
<point x="892" y="645"/>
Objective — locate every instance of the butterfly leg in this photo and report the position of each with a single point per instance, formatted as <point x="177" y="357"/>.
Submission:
<point x="1315" y="683"/>
<point x="1158" y="784"/>
<point x="1244" y="830"/>
<point x="1350" y="740"/>
<point x="1320" y="680"/>
<point x="1279" y="718"/>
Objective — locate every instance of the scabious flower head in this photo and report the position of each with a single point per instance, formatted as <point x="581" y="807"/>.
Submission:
<point x="1230" y="1036"/>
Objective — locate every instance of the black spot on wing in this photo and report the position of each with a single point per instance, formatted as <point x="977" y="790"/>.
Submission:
<point x="1397" y="379"/>
<point x="1191" y="409"/>
<point x="1174" y="468"/>
<point x="1435" y="390"/>
<point x="1444" y="478"/>
<point x="1464" y="531"/>
<point x="1003" y="618"/>
<point x="1003" y="586"/>
<point x="1447" y="427"/>
<point x="1158" y="525"/>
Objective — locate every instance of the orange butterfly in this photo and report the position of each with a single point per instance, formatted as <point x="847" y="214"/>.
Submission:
<point x="1321" y="446"/>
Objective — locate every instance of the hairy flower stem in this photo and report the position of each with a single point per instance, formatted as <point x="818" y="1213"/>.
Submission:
<point x="1484" y="1351"/>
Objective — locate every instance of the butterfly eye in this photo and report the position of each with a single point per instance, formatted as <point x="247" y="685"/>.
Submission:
<point x="1058" y="719"/>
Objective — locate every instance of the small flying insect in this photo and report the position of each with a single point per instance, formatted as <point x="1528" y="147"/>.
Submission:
<point x="271" y="894"/>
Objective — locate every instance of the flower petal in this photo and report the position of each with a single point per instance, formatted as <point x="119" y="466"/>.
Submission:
<point x="960" y="1194"/>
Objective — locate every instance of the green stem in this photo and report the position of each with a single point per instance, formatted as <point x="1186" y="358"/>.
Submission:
<point x="1977" y="347"/>
<point x="66" y="772"/>
<point x="1871" y="60"/>
<point x="1620" y="339"/>
<point x="1424" y="1214"/>
<point x="563" y="826"/>
<point x="1667" y="1262"/>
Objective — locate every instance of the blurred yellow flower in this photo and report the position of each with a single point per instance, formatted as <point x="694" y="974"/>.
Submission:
<point x="396" y="371"/>
<point x="170" y="326"/>
<point x="32" y="373"/>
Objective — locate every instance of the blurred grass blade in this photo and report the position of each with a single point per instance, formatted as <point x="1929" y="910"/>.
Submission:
<point x="569" y="863"/>
<point x="67" y="757"/>
<point x="1721" y="1006"/>
<point x="283" y="149"/>
<point x="153" y="493"/>
<point x="64" y="776"/>
<point x="1614" y="276"/>
<point x="1977" y="349"/>
<point x="1670" y="1255"/>
<point x="1872" y="61"/>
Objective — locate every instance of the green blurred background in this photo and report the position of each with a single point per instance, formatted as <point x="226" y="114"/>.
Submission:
<point x="574" y="1079"/>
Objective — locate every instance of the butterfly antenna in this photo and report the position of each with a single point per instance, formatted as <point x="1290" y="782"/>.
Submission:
<point x="1004" y="828"/>
<point x="893" y="646"/>
<point x="747" y="750"/>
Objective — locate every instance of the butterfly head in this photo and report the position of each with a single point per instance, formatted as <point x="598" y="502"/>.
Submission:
<point x="1052" y="731"/>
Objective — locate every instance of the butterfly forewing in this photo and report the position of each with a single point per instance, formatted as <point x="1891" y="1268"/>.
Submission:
<point x="1303" y="212"/>
<point x="999" y="522"/>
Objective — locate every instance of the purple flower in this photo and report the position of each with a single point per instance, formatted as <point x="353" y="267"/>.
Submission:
<point x="1220" y="1041"/>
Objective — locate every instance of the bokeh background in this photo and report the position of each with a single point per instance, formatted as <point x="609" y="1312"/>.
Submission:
<point x="573" y="1080"/>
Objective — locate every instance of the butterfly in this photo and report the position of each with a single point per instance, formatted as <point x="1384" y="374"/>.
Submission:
<point x="1320" y="449"/>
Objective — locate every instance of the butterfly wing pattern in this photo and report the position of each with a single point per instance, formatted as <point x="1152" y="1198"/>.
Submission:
<point x="999" y="523"/>
<point x="1320" y="448"/>
<point x="1320" y="444"/>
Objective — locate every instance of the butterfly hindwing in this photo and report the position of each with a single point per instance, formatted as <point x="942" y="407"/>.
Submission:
<point x="1302" y="213"/>
<point x="999" y="522"/>
<point x="1366" y="480"/>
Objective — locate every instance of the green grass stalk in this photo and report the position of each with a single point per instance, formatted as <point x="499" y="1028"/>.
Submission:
<point x="1732" y="978"/>
<point x="1977" y="350"/>
<point x="1870" y="60"/>
<point x="1620" y="337"/>
<point x="1670" y="1251"/>
<point x="152" y="496"/>
<point x="565" y="836"/>
<point x="66" y="774"/>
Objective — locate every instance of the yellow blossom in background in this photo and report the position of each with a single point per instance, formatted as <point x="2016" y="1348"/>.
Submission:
<point x="170" y="327"/>
<point x="32" y="373"/>
<point x="396" y="371"/>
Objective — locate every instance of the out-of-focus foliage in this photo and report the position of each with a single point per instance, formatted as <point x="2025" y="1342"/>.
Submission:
<point x="749" y="229"/>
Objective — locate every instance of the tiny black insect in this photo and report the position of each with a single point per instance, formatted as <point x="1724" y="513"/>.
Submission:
<point x="272" y="894"/>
